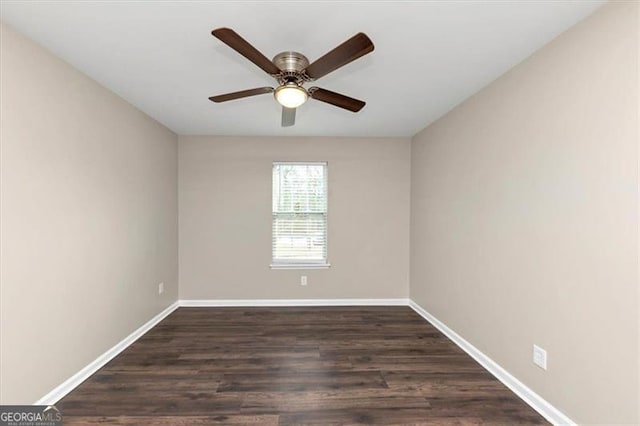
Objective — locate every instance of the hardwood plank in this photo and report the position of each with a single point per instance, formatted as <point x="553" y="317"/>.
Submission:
<point x="281" y="402"/>
<point x="435" y="385"/>
<point x="301" y="381"/>
<point x="266" y="420"/>
<point x="373" y="416"/>
<point x="166" y="403"/>
<point x="425" y="363"/>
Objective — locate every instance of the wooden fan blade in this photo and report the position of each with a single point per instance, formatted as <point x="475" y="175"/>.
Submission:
<point x="288" y="117"/>
<point x="357" y="46"/>
<point x="243" y="47"/>
<point x="241" y="94"/>
<point x="333" y="98"/>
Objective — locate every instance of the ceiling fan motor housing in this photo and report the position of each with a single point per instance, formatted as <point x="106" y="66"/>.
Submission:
<point x="291" y="61"/>
<point x="292" y="65"/>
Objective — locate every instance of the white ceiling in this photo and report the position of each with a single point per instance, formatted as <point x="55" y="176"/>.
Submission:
<point x="161" y="57"/>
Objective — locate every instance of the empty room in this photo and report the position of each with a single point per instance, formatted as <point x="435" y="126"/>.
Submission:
<point x="319" y="213"/>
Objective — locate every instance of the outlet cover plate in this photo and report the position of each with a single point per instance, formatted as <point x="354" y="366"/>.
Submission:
<point x="539" y="357"/>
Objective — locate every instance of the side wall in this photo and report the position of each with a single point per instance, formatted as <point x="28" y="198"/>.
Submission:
<point x="225" y="218"/>
<point x="89" y="220"/>
<point x="638" y="211"/>
<point x="524" y="212"/>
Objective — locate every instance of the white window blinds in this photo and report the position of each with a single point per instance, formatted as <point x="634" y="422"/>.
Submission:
<point x="299" y="221"/>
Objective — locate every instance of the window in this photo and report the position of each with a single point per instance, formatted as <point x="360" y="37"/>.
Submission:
<point x="299" y="220"/>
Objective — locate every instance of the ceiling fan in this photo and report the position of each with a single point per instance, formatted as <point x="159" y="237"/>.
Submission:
<point x="292" y="70"/>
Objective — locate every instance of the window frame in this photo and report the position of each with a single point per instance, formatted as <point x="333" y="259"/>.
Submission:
<point x="303" y="263"/>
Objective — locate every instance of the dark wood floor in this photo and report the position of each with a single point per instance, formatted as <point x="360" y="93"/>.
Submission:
<point x="311" y="365"/>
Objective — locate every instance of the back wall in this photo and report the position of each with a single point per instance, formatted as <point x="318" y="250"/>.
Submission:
<point x="225" y="218"/>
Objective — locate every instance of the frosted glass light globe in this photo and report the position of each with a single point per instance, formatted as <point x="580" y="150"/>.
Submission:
<point x="291" y="95"/>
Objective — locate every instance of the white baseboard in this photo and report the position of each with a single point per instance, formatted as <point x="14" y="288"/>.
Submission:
<point x="293" y="302"/>
<point x="548" y="411"/>
<point x="68" y="385"/>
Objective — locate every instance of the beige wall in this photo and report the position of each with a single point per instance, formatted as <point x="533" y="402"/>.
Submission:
<point x="225" y="218"/>
<point x="89" y="220"/>
<point x="638" y="212"/>
<point x="524" y="216"/>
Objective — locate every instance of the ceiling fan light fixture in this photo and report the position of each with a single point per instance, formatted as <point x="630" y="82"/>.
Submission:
<point x="291" y="95"/>
<point x="292" y="69"/>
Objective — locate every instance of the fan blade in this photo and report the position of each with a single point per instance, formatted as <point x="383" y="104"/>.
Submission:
<point x="333" y="98"/>
<point x="288" y="117"/>
<point x="241" y="94"/>
<point x="357" y="46"/>
<point x="242" y="46"/>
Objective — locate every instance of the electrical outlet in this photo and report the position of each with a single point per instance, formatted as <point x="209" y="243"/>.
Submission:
<point x="160" y="288"/>
<point x="540" y="357"/>
<point x="303" y="280"/>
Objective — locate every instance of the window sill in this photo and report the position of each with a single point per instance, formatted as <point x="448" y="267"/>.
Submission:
<point x="300" y="266"/>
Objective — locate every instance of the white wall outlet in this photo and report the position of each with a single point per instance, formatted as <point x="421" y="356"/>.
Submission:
<point x="303" y="280"/>
<point x="539" y="357"/>
<point x="160" y="288"/>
